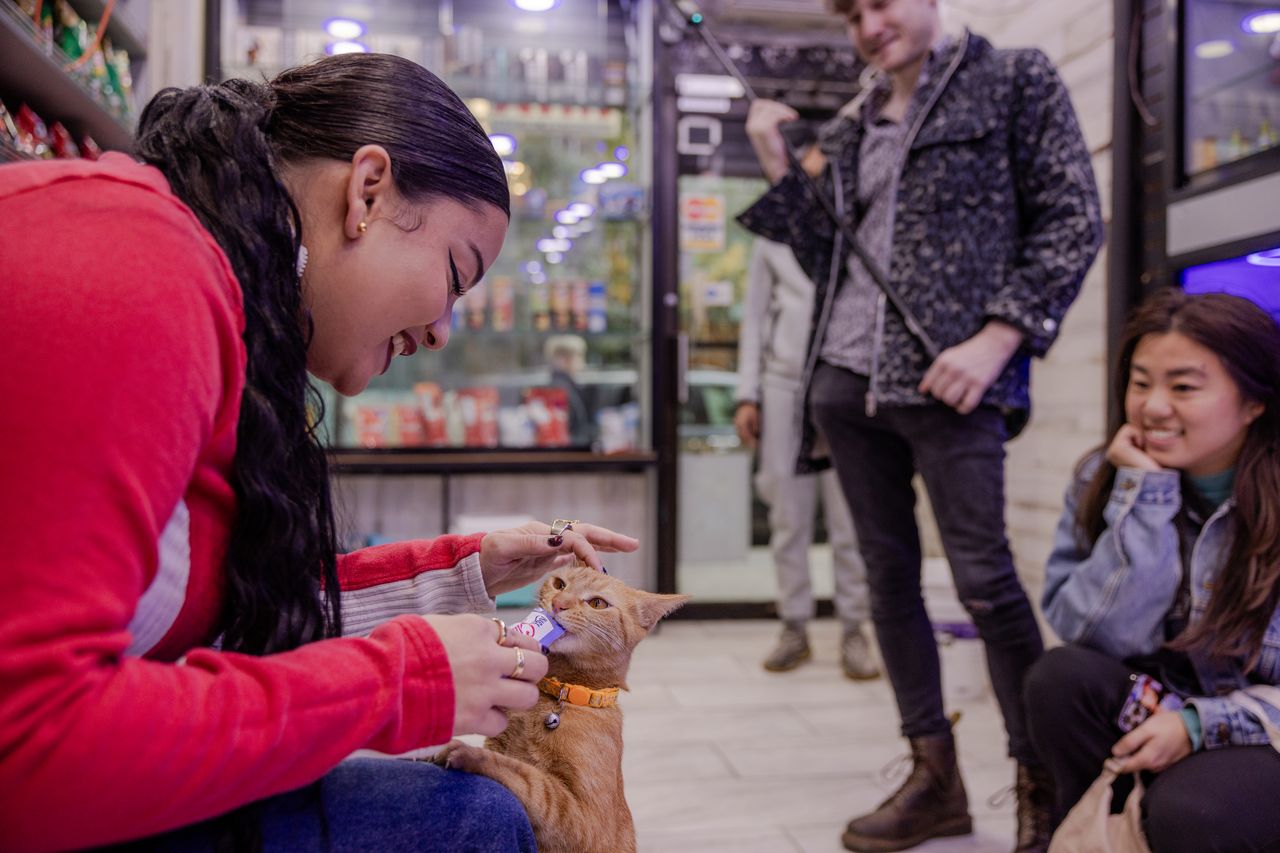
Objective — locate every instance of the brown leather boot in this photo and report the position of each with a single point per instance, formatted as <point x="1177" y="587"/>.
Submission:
<point x="931" y="803"/>
<point x="1034" y="789"/>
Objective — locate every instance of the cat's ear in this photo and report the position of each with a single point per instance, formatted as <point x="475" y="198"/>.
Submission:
<point x="653" y="606"/>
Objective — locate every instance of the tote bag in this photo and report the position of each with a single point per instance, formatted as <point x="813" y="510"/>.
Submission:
<point x="1090" y="827"/>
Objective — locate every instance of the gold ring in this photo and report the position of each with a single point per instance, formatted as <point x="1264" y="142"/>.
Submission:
<point x="519" y="670"/>
<point x="502" y="630"/>
<point x="560" y="525"/>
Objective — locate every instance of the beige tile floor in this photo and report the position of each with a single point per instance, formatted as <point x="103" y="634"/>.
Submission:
<point x="721" y="755"/>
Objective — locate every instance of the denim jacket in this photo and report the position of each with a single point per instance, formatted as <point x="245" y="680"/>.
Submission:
<point x="1114" y="597"/>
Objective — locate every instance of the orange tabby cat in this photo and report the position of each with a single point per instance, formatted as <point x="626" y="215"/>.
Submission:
<point x="564" y="760"/>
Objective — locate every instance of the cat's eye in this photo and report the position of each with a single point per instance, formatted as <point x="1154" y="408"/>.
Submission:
<point x="557" y="583"/>
<point x="598" y="603"/>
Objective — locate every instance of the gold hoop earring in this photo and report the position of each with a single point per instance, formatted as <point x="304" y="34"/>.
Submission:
<point x="362" y="227"/>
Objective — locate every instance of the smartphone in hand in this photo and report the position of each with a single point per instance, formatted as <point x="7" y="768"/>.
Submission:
<point x="1143" y="701"/>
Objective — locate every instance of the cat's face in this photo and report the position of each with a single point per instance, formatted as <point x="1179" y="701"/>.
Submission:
<point x="600" y="614"/>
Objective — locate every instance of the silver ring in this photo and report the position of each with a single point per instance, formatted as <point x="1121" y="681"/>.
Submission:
<point x="519" y="670"/>
<point x="502" y="630"/>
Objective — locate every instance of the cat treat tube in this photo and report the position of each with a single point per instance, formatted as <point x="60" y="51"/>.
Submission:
<point x="541" y="626"/>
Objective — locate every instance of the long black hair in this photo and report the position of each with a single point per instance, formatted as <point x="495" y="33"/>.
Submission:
<point x="221" y="148"/>
<point x="1247" y="341"/>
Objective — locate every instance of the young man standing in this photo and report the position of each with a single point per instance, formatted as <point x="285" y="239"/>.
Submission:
<point x="964" y="174"/>
<point x="775" y="318"/>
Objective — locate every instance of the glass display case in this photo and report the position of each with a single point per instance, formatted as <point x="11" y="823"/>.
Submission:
<point x="552" y="349"/>
<point x="1230" y="81"/>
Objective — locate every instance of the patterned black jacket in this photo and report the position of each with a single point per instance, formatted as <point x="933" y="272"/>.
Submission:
<point x="997" y="216"/>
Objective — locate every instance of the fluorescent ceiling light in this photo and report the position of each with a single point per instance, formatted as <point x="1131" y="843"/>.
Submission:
<point x="611" y="170"/>
<point x="344" y="29"/>
<point x="338" y="48"/>
<point x="554" y="257"/>
<point x="593" y="176"/>
<point x="621" y="153"/>
<point x="567" y="217"/>
<point x="708" y="86"/>
<point x="1267" y="21"/>
<point x="581" y="209"/>
<point x="1215" y="49"/>
<point x="550" y="244"/>
<point x="560" y="232"/>
<point x="534" y="5"/>
<point x="503" y="143"/>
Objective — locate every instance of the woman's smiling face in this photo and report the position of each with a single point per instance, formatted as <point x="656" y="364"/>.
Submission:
<point x="1190" y="411"/>
<point x="387" y="289"/>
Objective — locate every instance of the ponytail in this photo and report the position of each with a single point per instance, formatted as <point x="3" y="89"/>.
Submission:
<point x="210" y="143"/>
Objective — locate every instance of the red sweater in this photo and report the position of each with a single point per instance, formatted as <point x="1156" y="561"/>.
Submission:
<point x="123" y="368"/>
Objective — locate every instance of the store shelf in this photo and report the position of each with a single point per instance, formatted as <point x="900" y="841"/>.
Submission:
<point x="9" y="154"/>
<point x="478" y="461"/>
<point x="29" y="74"/>
<point x="119" y="30"/>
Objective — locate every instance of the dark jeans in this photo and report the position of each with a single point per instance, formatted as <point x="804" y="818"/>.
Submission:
<point x="376" y="804"/>
<point x="961" y="460"/>
<point x="1213" y="800"/>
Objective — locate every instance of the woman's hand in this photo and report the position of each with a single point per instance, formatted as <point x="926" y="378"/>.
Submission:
<point x="485" y="682"/>
<point x="1127" y="450"/>
<point x="510" y="559"/>
<point x="1155" y="745"/>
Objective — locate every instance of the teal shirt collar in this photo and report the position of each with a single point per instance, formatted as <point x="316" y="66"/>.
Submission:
<point x="1215" y="488"/>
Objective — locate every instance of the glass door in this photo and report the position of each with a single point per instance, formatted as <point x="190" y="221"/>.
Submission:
<point x="719" y="513"/>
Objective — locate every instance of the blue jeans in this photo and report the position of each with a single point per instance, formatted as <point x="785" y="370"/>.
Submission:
<point x="375" y="804"/>
<point x="960" y="458"/>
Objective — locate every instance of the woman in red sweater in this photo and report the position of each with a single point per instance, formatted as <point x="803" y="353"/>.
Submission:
<point x="179" y="640"/>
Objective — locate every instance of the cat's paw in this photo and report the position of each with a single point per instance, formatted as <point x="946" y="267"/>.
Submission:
<point x="456" y="755"/>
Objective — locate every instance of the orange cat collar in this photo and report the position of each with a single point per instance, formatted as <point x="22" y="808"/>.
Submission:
<point x="576" y="694"/>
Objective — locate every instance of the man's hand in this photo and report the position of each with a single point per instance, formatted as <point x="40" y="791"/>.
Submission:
<point x="962" y="374"/>
<point x="763" y="119"/>
<point x="746" y="420"/>
<point x="1155" y="745"/>
<point x="1127" y="450"/>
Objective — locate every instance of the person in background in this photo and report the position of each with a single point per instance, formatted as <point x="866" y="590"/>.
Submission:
<point x="567" y="355"/>
<point x="964" y="173"/>
<point x="778" y="305"/>
<point x="185" y="657"/>
<point x="1166" y="563"/>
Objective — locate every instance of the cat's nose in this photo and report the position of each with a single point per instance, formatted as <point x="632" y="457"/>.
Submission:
<point x="561" y="602"/>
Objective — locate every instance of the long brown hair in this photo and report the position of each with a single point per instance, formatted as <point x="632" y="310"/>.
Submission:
<point x="1247" y="340"/>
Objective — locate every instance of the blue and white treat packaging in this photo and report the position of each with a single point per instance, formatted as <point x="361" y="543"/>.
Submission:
<point x="540" y="625"/>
